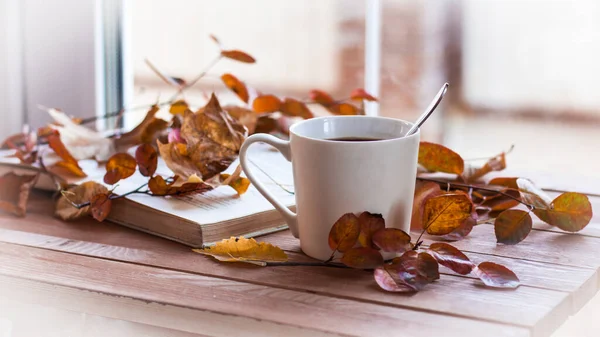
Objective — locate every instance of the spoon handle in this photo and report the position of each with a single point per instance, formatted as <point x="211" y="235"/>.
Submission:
<point x="430" y="109"/>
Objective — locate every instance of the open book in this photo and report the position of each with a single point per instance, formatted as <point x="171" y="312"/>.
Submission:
<point x="197" y="220"/>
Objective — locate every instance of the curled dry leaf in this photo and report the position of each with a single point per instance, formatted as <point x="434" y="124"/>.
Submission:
<point x="412" y="271"/>
<point x="244" y="250"/>
<point x="238" y="55"/>
<point x="100" y="205"/>
<point x="570" y="212"/>
<point x="512" y="226"/>
<point x="362" y="258"/>
<point x="497" y="163"/>
<point x="510" y="182"/>
<point x="369" y="224"/>
<point x="345" y="109"/>
<point x="445" y="213"/>
<point x="450" y="257"/>
<point x="496" y="276"/>
<point x="244" y="116"/>
<point x="438" y="158"/>
<point x="532" y="194"/>
<point x="146" y="158"/>
<point x="213" y="140"/>
<point x="145" y="132"/>
<point x="160" y="187"/>
<point x="321" y="97"/>
<point x="294" y="108"/>
<point x="360" y="94"/>
<point x="235" y="85"/>
<point x="119" y="166"/>
<point x="266" y="104"/>
<point x="68" y="162"/>
<point x="392" y="240"/>
<point x="344" y="233"/>
<point x="179" y="107"/>
<point x="423" y="191"/>
<point x="77" y="195"/>
<point x="14" y="192"/>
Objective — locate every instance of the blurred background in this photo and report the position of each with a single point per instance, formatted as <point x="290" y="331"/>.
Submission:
<point x="521" y="72"/>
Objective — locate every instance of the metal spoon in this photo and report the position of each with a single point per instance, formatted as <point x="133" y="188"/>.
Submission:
<point x="436" y="101"/>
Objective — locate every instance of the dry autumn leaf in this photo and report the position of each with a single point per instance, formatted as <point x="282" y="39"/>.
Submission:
<point x="294" y="108"/>
<point x="438" y="158"/>
<point x="145" y="132"/>
<point x="244" y="116"/>
<point x="423" y="191"/>
<point x="570" y="212"/>
<point x="362" y="258"/>
<point x="462" y="231"/>
<point x="239" y="184"/>
<point x="360" y="94"/>
<point x="119" y="166"/>
<point x="100" y="205"/>
<point x="320" y="97"/>
<point x="266" y="104"/>
<point x="179" y="107"/>
<point x="369" y="224"/>
<point x="68" y="162"/>
<point x="386" y="281"/>
<point x="496" y="276"/>
<point x="14" y="192"/>
<point x="77" y="195"/>
<point x="510" y="182"/>
<point x="160" y="187"/>
<point x="445" y="213"/>
<point x="265" y="124"/>
<point x="412" y="271"/>
<point x="237" y="86"/>
<point x="392" y="240"/>
<point x="146" y="158"/>
<point x="345" y="109"/>
<point x="497" y="163"/>
<point x="512" y="226"/>
<point x="532" y="194"/>
<point x="450" y="257"/>
<point x="244" y="250"/>
<point x="238" y="55"/>
<point x="344" y="233"/>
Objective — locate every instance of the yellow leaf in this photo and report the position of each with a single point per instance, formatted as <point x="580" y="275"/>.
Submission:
<point x="179" y="107"/>
<point x="244" y="250"/>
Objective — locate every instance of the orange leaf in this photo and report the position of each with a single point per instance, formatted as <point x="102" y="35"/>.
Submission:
<point x="321" y="97"/>
<point x="392" y="240"/>
<point x="450" y="257"/>
<point x="238" y="55"/>
<point x="369" y="224"/>
<point x="503" y="181"/>
<point x="239" y="184"/>
<point x="100" y="206"/>
<point x="14" y="192"/>
<point x="497" y="163"/>
<point x="344" y="233"/>
<point x="362" y="258"/>
<point x="438" y="158"/>
<point x="512" y="226"/>
<point x="423" y="191"/>
<point x="119" y="166"/>
<point x="68" y="161"/>
<point x="266" y="104"/>
<point x="179" y="107"/>
<point x="360" y="94"/>
<point x="158" y="186"/>
<point x="235" y="85"/>
<point x="445" y="213"/>
<point x="570" y="212"/>
<point x="295" y="108"/>
<point x="146" y="158"/>
<point x="345" y="109"/>
<point x="496" y="276"/>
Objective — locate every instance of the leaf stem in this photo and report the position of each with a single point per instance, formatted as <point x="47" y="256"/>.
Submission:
<point x="203" y="73"/>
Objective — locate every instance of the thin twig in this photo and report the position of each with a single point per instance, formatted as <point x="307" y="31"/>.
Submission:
<point x="203" y="73"/>
<point x="111" y="197"/>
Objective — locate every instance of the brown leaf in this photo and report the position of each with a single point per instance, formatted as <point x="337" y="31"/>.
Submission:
<point x="461" y="231"/>
<point x="570" y="212"/>
<point x="369" y="224"/>
<point x="512" y="226"/>
<point x="362" y="258"/>
<point x="295" y="108"/>
<point x="496" y="276"/>
<point x="147" y="159"/>
<point x="14" y="192"/>
<point x="385" y="280"/>
<point x="68" y="162"/>
<point x="360" y="94"/>
<point x="510" y="182"/>
<point x="450" y="257"/>
<point x="344" y="233"/>
<point x="345" y="109"/>
<point x="423" y="191"/>
<point x="119" y="166"/>
<point x="265" y="124"/>
<point x="497" y="163"/>
<point x="392" y="240"/>
<point x="239" y="184"/>
<point x="244" y="250"/>
<point x="159" y="187"/>
<point x="238" y="55"/>
<point x="244" y="116"/>
<point x="25" y="146"/>
<point x="100" y="206"/>
<point x="266" y="104"/>
<point x="145" y="132"/>
<point x="78" y="194"/>
<point x="321" y="97"/>
<point x="179" y="107"/>
<point x="213" y="140"/>
<point x="444" y="213"/>
<point x="438" y="158"/>
<point x="235" y="85"/>
<point x="412" y="271"/>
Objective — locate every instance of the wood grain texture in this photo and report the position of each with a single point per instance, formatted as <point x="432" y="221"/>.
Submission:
<point x="301" y="310"/>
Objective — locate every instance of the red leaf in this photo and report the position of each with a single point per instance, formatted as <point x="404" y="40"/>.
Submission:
<point x="360" y="94"/>
<point x="362" y="258"/>
<point x="321" y="97"/>
<point x="411" y="272"/>
<point x="496" y="276"/>
<point x="100" y="206"/>
<point x="238" y="55"/>
<point x="512" y="226"/>
<point x="147" y="159"/>
<point x="385" y="280"/>
<point x="449" y="256"/>
<point x="392" y="240"/>
<point x="369" y="224"/>
<point x="344" y="233"/>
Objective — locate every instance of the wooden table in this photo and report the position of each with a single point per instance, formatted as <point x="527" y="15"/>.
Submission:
<point x="98" y="279"/>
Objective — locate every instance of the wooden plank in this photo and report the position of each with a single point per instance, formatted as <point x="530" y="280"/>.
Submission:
<point x="311" y="312"/>
<point x="439" y="297"/>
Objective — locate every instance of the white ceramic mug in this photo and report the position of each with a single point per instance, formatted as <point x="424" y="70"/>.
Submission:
<point x="332" y="177"/>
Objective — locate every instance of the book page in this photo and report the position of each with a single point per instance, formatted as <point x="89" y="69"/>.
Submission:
<point x="223" y="203"/>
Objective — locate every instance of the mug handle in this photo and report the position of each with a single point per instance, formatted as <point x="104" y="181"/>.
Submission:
<point x="284" y="148"/>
